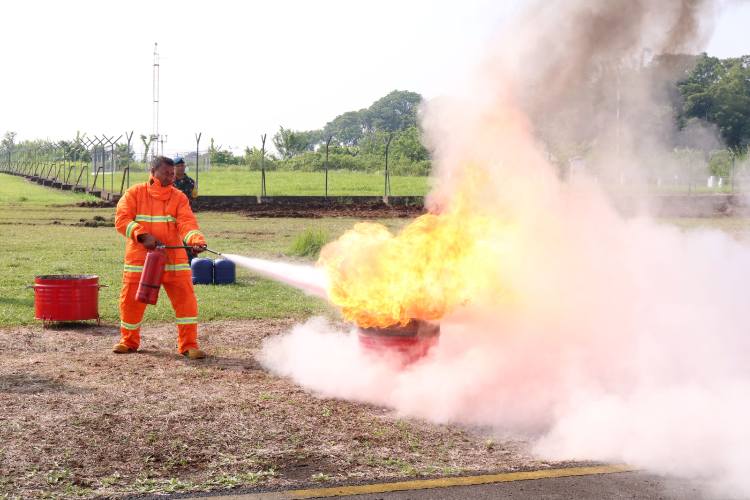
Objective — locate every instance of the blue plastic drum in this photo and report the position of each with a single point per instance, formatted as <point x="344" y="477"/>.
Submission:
<point x="224" y="272"/>
<point x="203" y="271"/>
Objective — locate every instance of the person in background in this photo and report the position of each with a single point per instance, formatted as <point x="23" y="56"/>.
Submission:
<point x="186" y="184"/>
<point x="183" y="181"/>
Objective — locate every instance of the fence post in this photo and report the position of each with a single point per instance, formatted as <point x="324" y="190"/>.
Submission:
<point x="263" y="166"/>
<point x="197" y="158"/>
<point x="328" y="143"/>
<point x="387" y="188"/>
<point x="126" y="170"/>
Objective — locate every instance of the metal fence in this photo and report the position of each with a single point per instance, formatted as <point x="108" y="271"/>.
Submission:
<point x="102" y="165"/>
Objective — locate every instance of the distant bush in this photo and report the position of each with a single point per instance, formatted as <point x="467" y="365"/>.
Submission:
<point x="314" y="161"/>
<point x="720" y="163"/>
<point x="309" y="243"/>
<point x="414" y="168"/>
<point x="338" y="159"/>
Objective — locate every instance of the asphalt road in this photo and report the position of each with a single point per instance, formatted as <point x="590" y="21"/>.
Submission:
<point x="618" y="485"/>
<point x="604" y="486"/>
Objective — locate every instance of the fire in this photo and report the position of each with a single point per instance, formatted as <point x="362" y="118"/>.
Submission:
<point x="433" y="265"/>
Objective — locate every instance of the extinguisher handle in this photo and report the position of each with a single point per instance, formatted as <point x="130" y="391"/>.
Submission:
<point x="103" y="286"/>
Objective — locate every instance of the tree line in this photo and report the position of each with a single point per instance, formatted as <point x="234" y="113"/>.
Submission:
<point x="689" y="89"/>
<point x="718" y="91"/>
<point x="355" y="140"/>
<point x="655" y="114"/>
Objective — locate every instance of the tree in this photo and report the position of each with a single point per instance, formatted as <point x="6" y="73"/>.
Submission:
<point x="225" y="157"/>
<point x="290" y="142"/>
<point x="347" y="129"/>
<point x="395" y="112"/>
<point x="147" y="141"/>
<point x="124" y="154"/>
<point x="256" y="159"/>
<point x="9" y="140"/>
<point x="718" y="91"/>
<point x="408" y="145"/>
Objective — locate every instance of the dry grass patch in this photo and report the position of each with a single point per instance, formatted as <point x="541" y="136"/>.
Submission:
<point x="79" y="421"/>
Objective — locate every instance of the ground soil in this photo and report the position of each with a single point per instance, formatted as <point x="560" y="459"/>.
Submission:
<point x="80" y="421"/>
<point x="343" y="210"/>
<point x="96" y="204"/>
<point x="309" y="209"/>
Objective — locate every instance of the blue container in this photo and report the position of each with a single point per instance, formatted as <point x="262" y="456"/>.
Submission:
<point x="203" y="271"/>
<point x="224" y="273"/>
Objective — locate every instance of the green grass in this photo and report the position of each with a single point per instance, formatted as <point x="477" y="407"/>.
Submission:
<point x="39" y="238"/>
<point x="309" y="243"/>
<point x="738" y="227"/>
<point x="16" y="192"/>
<point x="238" y="181"/>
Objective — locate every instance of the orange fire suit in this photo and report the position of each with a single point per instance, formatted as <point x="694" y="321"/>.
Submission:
<point x="165" y="213"/>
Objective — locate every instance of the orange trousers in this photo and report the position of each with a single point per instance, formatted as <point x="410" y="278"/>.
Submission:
<point x="179" y="288"/>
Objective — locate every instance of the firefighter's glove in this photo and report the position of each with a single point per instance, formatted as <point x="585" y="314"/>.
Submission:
<point x="148" y="241"/>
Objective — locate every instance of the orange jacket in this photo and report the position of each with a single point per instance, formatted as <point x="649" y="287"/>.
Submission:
<point x="163" y="212"/>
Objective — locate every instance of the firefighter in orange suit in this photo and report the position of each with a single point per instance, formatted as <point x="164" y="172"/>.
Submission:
<point x="150" y="214"/>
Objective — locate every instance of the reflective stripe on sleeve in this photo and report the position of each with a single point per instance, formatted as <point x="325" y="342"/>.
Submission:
<point x="129" y="230"/>
<point x="190" y="234"/>
<point x="128" y="268"/>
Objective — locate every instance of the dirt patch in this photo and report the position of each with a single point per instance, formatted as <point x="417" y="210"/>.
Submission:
<point x="79" y="421"/>
<point x="96" y="221"/>
<point x="96" y="204"/>
<point x="318" y="210"/>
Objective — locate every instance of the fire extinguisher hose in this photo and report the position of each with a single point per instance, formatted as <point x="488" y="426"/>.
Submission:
<point x="186" y="246"/>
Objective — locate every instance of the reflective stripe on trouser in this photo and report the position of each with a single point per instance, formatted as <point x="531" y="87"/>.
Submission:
<point x="180" y="292"/>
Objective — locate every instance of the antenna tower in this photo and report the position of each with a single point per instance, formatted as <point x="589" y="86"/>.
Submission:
<point x="155" y="109"/>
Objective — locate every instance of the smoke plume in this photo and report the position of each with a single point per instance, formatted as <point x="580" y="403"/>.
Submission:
<point x="605" y="338"/>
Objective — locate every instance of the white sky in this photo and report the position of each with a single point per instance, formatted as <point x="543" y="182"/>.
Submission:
<point x="234" y="70"/>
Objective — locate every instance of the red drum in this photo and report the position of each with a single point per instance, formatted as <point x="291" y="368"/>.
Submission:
<point x="66" y="297"/>
<point x="408" y="343"/>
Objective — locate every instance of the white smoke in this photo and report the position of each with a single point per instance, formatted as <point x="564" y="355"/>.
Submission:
<point x="307" y="278"/>
<point x="639" y="356"/>
<point x="616" y="340"/>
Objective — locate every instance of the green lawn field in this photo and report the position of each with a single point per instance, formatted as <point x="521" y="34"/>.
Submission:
<point x="81" y="422"/>
<point x="237" y="181"/>
<point x="43" y="233"/>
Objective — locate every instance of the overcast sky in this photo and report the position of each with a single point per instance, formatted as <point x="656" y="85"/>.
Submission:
<point x="234" y="70"/>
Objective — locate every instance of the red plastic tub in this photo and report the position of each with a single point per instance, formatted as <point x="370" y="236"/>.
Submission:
<point x="66" y="297"/>
<point x="408" y="343"/>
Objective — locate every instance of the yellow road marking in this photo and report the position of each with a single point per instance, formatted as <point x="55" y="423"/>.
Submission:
<point x="446" y="482"/>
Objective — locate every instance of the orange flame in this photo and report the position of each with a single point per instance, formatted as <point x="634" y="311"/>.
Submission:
<point x="433" y="265"/>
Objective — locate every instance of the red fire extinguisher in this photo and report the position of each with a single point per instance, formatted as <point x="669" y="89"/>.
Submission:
<point x="153" y="271"/>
